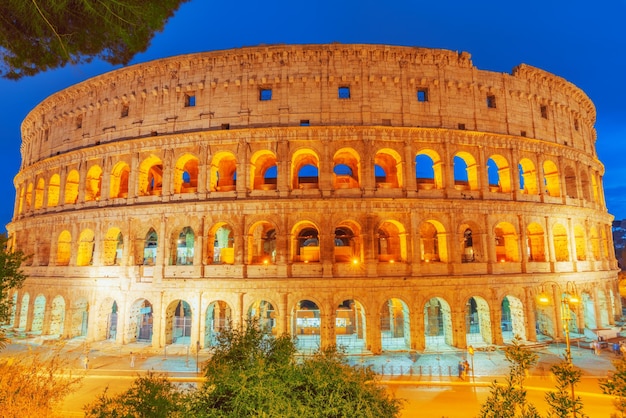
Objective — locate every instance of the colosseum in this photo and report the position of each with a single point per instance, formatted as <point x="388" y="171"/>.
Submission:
<point x="375" y="197"/>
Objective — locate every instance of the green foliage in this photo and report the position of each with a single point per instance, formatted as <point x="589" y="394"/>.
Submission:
<point x="150" y="396"/>
<point x="508" y="400"/>
<point x="560" y="403"/>
<point x="33" y="385"/>
<point x="615" y="385"/>
<point x="37" y="35"/>
<point x="11" y="276"/>
<point x="252" y="374"/>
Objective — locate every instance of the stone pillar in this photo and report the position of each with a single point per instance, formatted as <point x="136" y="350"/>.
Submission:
<point x="373" y="341"/>
<point x="327" y="329"/>
<point x="531" y="319"/>
<point x="418" y="340"/>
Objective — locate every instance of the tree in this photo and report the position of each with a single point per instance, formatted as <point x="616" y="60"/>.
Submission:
<point x="251" y="374"/>
<point x="509" y="399"/>
<point x="11" y="279"/>
<point x="615" y="385"/>
<point x="34" y="386"/>
<point x="152" y="395"/>
<point x="38" y="35"/>
<point x="560" y="403"/>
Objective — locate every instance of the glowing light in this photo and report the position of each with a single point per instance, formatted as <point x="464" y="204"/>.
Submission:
<point x="355" y="261"/>
<point x="544" y="299"/>
<point x="392" y="261"/>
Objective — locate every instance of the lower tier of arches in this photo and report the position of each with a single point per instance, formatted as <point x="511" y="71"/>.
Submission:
<point x="362" y="315"/>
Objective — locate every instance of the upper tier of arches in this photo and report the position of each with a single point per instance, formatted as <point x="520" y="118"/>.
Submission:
<point x="313" y="85"/>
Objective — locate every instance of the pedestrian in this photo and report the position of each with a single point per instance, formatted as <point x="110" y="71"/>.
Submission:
<point x="466" y="367"/>
<point x="86" y="362"/>
<point x="596" y="347"/>
<point x="616" y="349"/>
<point x="132" y="359"/>
<point x="461" y="367"/>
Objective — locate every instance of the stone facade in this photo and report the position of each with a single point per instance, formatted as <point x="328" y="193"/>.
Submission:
<point x="378" y="197"/>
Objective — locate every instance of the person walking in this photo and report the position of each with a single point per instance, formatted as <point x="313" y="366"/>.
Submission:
<point x="461" y="367"/>
<point x="466" y="368"/>
<point x="132" y="359"/>
<point x="86" y="362"/>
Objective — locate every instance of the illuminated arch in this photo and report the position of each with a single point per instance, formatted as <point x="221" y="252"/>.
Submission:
<point x="346" y="169"/>
<point x="595" y="243"/>
<point x="350" y="326"/>
<point x="433" y="242"/>
<point x="477" y="322"/>
<point x="119" y="181"/>
<point x="29" y="197"/>
<point x="347" y="243"/>
<point x="581" y="243"/>
<point x="265" y="313"/>
<point x="535" y="246"/>
<point x="395" y="325"/>
<point x="262" y="243"/>
<point x="150" y="246"/>
<point x="305" y="245"/>
<point x="585" y="186"/>
<point x="182" y="247"/>
<point x="263" y="170"/>
<point x="499" y="174"/>
<point x="428" y="170"/>
<point x="39" y="192"/>
<point x="85" y="248"/>
<point x="221" y="244"/>
<point x="223" y="177"/>
<point x="465" y="171"/>
<point x="438" y="330"/>
<point x="64" y="248"/>
<point x="150" y="179"/>
<point x="113" y="247"/>
<point x="506" y="242"/>
<point x="388" y="169"/>
<point x="551" y="178"/>
<point x="186" y="174"/>
<point x="71" y="187"/>
<point x="93" y="183"/>
<point x="528" y="177"/>
<point x="54" y="190"/>
<point x="218" y="318"/>
<point x="560" y="240"/>
<point x="305" y="169"/>
<point x="391" y="241"/>
<point x="571" y="189"/>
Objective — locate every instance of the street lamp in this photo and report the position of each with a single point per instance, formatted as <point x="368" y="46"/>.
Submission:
<point x="569" y="297"/>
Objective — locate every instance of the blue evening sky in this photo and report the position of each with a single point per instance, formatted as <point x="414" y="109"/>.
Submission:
<point x="581" y="41"/>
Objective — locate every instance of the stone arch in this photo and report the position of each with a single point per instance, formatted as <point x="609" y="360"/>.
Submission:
<point x="79" y="318"/>
<point x="140" y="321"/>
<point x="150" y="246"/>
<point x="64" y="248"/>
<point x="584" y="184"/>
<point x="218" y="318"/>
<point x="57" y="316"/>
<point x="93" y="183"/>
<point x="71" y="187"/>
<point x="263" y="170"/>
<point x="433" y="242"/>
<point x="506" y="242"/>
<point x="388" y="169"/>
<point x="465" y="171"/>
<point x="595" y="186"/>
<point x="186" y="174"/>
<point x="347" y="242"/>
<point x="85" y="248"/>
<point x="113" y="247"/>
<point x="54" y="190"/>
<point x="513" y="319"/>
<point x="150" y="178"/>
<point x="428" y="170"/>
<point x="306" y="326"/>
<point x="178" y="317"/>
<point x="39" y="312"/>
<point x="182" y="247"/>
<point x="395" y="325"/>
<point x="305" y="165"/>
<point x="350" y="326"/>
<point x="499" y="174"/>
<point x="391" y="241"/>
<point x="106" y="320"/>
<point x="551" y="178"/>
<point x="264" y="312"/>
<point x="477" y="322"/>
<point x="39" y="192"/>
<point x="262" y="243"/>
<point x="589" y="311"/>
<point x="20" y="208"/>
<point x="29" y="197"/>
<point x="221" y="243"/>
<point x="603" y="309"/>
<point x="470" y="243"/>
<point x="595" y="243"/>
<point x="120" y="174"/>
<point x="438" y="329"/>
<point x="305" y="244"/>
<point x="561" y="244"/>
<point x="535" y="245"/>
<point x="571" y="189"/>
<point x="223" y="176"/>
<point x="346" y="169"/>
<point x="580" y="240"/>
<point x="24" y="312"/>
<point x="528" y="177"/>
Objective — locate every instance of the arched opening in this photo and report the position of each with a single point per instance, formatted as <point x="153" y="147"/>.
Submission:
<point x="528" y="177"/>
<point x="306" y="325"/>
<point x="54" y="190"/>
<point x="391" y="242"/>
<point x="71" y="187"/>
<point x="477" y="322"/>
<point x="506" y="242"/>
<point x="535" y="245"/>
<point x="388" y="169"/>
<point x="589" y="311"/>
<point x="433" y="242"/>
<point x="551" y="179"/>
<point x="595" y="243"/>
<point x="113" y="247"/>
<point x="186" y="174"/>
<point x="64" y="249"/>
<point x="39" y="310"/>
<point x="465" y="171"/>
<point x="561" y="246"/>
<point x="39" y="191"/>
<point x="581" y="243"/>
<point x="218" y="318"/>
<point x="80" y="318"/>
<point x="85" y="248"/>
<point x="140" y="322"/>
<point x="93" y="183"/>
<point x="263" y="171"/>
<point x="346" y="243"/>
<point x="223" y="172"/>
<point x="262" y="243"/>
<point x="29" y="196"/>
<point x="183" y="247"/>
<point x="346" y="169"/>
<point x="499" y="174"/>
<point x="437" y="324"/>
<point x="119" y="181"/>
<point x="150" y="246"/>
<point x="57" y="316"/>
<point x="151" y="176"/>
<point x="178" y="327"/>
<point x="263" y="312"/>
<point x="350" y="326"/>
<point x="468" y="255"/>
<point x="512" y="322"/>
<point x="221" y="243"/>
<point x="306" y="245"/>
<point x="305" y="168"/>
<point x="24" y="312"/>
<point x="584" y="184"/>
<point x="570" y="183"/>
<point x="428" y="170"/>
<point x="106" y="322"/>
<point x="395" y="326"/>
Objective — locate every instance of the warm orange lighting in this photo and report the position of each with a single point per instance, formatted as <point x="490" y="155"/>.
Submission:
<point x="503" y="260"/>
<point x="266" y="261"/>
<point x="573" y="299"/>
<point x="543" y="299"/>
<point x="392" y="261"/>
<point x="306" y="261"/>
<point x="355" y="261"/>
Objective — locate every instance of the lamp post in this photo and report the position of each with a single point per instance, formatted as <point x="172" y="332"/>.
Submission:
<point x="569" y="297"/>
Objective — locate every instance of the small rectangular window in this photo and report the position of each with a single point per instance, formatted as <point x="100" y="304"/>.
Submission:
<point x="576" y="124"/>
<point x="190" y="100"/>
<point x="265" y="94"/>
<point x="386" y="122"/>
<point x="462" y="126"/>
<point x="544" y="111"/>
<point x="491" y="101"/>
<point x="422" y="95"/>
<point x="305" y="122"/>
<point x="225" y="126"/>
<point x="46" y="134"/>
<point x="344" y="92"/>
<point x="124" y="111"/>
<point x="523" y="133"/>
<point x="79" y="121"/>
